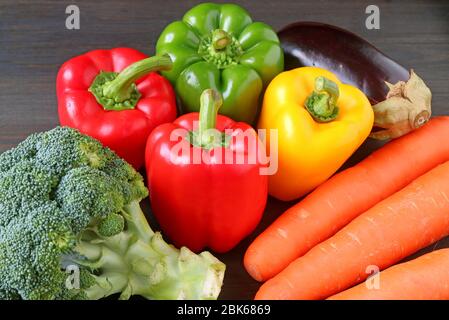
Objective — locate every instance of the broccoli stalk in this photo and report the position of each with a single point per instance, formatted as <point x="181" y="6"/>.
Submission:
<point x="65" y="201"/>
<point x="141" y="263"/>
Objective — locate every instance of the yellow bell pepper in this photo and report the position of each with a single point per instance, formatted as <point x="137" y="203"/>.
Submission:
<point x="320" y="122"/>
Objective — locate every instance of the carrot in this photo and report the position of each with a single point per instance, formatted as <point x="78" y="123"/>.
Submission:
<point x="396" y="227"/>
<point x="425" y="278"/>
<point x="345" y="196"/>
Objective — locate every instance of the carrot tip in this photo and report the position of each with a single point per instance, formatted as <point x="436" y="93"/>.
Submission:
<point x="252" y="268"/>
<point x="254" y="272"/>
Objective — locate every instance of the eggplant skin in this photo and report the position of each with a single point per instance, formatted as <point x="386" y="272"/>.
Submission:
<point x="353" y="59"/>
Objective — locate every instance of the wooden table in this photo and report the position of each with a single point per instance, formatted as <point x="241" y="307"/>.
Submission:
<point x="34" y="43"/>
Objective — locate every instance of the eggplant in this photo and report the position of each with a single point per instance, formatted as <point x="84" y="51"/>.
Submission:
<point x="401" y="100"/>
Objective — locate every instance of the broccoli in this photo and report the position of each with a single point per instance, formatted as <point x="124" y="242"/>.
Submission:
<point x="71" y="227"/>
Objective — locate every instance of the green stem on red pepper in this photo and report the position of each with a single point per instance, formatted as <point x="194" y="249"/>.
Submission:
<point x="117" y="91"/>
<point x="207" y="136"/>
<point x="322" y="102"/>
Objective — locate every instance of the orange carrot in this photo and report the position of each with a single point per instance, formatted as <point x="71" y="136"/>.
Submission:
<point x="396" y="227"/>
<point x="425" y="278"/>
<point x="345" y="196"/>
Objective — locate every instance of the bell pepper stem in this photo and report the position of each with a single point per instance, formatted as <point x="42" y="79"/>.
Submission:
<point x="325" y="84"/>
<point x="118" y="91"/>
<point x="120" y="87"/>
<point x="210" y="102"/>
<point x="220" y="48"/>
<point x="322" y="102"/>
<point x="220" y="39"/>
<point x="207" y="136"/>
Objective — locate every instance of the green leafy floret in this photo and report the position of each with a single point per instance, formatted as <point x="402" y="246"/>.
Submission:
<point x="71" y="227"/>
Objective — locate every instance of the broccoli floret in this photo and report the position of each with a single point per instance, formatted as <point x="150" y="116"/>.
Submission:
<point x="113" y="224"/>
<point x="9" y="295"/>
<point x="29" y="249"/>
<point x="71" y="227"/>
<point x="86" y="193"/>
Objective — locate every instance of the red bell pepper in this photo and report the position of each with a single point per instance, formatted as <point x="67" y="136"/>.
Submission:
<point x="116" y="97"/>
<point x="206" y="202"/>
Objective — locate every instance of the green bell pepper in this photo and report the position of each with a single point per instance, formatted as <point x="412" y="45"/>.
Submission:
<point x="218" y="46"/>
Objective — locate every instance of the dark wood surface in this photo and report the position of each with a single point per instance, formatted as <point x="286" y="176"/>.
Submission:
<point x="34" y="43"/>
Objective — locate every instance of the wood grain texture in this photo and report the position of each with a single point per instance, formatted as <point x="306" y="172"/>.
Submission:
<point x="34" y="43"/>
